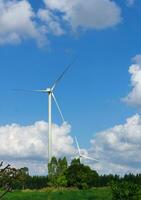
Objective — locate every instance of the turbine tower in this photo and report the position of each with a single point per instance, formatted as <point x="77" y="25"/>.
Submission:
<point x="49" y="92"/>
<point x="81" y="155"/>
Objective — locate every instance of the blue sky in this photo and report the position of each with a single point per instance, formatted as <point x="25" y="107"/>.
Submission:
<point x="90" y="93"/>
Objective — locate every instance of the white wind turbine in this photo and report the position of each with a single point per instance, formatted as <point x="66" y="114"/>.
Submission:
<point x="81" y="155"/>
<point x="50" y="92"/>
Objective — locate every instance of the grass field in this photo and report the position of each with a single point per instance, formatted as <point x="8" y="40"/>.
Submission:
<point x="93" y="194"/>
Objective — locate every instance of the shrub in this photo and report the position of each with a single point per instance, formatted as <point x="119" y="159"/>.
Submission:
<point x="125" y="191"/>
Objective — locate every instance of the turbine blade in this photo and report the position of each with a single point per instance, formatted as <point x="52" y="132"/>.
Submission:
<point x="22" y="90"/>
<point x="45" y="91"/>
<point x="62" y="75"/>
<point x="77" y="146"/>
<point x="89" y="158"/>
<point x="58" y="107"/>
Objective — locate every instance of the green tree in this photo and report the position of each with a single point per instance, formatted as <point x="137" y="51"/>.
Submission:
<point x="23" y="176"/>
<point x="8" y="177"/>
<point x="62" y="166"/>
<point x="61" y="181"/>
<point x="52" y="171"/>
<point x="56" y="172"/>
<point x="81" y="176"/>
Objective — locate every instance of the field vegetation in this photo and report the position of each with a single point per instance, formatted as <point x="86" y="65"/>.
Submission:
<point x="67" y="182"/>
<point x="61" y="194"/>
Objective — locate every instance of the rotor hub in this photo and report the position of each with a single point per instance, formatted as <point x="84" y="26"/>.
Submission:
<point x="49" y="90"/>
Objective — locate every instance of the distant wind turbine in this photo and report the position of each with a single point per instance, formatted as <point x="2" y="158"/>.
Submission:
<point x="50" y="92"/>
<point x="81" y="155"/>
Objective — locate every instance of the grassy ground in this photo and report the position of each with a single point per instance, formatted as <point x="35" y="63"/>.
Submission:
<point x="93" y="194"/>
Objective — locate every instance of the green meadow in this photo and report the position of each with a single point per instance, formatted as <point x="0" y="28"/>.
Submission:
<point x="72" y="194"/>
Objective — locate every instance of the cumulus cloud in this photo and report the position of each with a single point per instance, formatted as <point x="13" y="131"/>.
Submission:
<point x="52" y="22"/>
<point x="27" y="145"/>
<point x="134" y="97"/>
<point x="17" y="22"/>
<point x="93" y="14"/>
<point x="137" y="59"/>
<point x="130" y="2"/>
<point x="119" y="148"/>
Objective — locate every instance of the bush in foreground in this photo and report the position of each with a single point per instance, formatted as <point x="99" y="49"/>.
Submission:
<point x="125" y="191"/>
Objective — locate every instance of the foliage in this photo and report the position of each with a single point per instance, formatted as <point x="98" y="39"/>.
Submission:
<point x="125" y="191"/>
<point x="52" y="170"/>
<point x="61" y="174"/>
<point x="61" y="181"/>
<point x="36" y="182"/>
<point x="67" y="194"/>
<point x="105" y="180"/>
<point x="9" y="177"/>
<point x="20" y="182"/>
<point x="12" y="178"/>
<point x="56" y="172"/>
<point x="62" y="166"/>
<point x="75" y="175"/>
<point x="81" y="176"/>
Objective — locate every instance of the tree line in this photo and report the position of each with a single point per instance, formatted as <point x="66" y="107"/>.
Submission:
<point x="60" y="174"/>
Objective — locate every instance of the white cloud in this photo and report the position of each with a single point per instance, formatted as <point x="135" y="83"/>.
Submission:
<point x="130" y="2"/>
<point x="134" y="97"/>
<point x="52" y="22"/>
<point x="27" y="145"/>
<point x="119" y="148"/>
<point x="93" y="14"/>
<point x="17" y="22"/>
<point x="137" y="59"/>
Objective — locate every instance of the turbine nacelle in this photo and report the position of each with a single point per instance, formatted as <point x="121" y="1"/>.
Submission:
<point x="49" y="90"/>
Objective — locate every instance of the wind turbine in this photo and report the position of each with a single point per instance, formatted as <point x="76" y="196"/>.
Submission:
<point x="81" y="155"/>
<point x="50" y="92"/>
